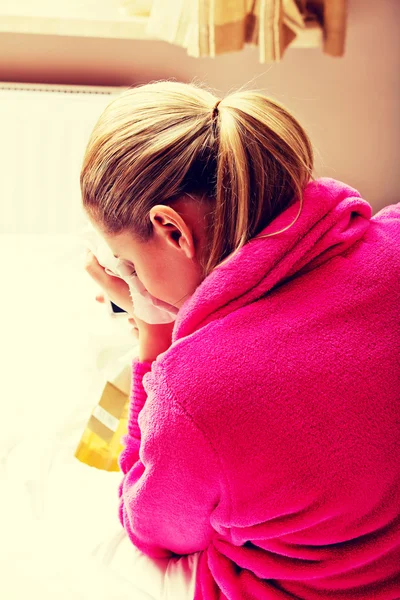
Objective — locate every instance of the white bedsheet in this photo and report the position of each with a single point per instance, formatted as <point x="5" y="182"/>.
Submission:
<point x="60" y="534"/>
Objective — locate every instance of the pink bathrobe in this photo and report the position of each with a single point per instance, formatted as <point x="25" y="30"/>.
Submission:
<point x="267" y="436"/>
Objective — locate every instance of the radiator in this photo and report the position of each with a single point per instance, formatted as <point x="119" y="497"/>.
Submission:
<point x="44" y="130"/>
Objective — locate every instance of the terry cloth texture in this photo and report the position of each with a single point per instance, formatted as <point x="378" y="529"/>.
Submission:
<point x="267" y="436"/>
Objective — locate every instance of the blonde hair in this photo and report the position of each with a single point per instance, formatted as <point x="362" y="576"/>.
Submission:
<point x="246" y="156"/>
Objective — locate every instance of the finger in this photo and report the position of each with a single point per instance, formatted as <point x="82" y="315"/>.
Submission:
<point x="89" y="257"/>
<point x="95" y="269"/>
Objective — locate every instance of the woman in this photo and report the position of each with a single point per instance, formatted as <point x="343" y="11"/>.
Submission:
<point x="263" y="436"/>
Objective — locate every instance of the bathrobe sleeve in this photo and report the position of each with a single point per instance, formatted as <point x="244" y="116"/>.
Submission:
<point x="171" y="474"/>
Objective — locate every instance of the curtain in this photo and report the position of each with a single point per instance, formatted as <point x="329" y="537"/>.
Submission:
<point x="212" y="27"/>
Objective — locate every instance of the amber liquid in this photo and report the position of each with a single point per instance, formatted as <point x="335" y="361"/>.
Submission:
<point x="99" y="446"/>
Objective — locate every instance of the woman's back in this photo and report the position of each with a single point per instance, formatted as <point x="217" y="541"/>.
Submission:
<point x="291" y="479"/>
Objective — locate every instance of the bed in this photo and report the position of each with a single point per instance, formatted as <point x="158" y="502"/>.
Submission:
<point x="60" y="533"/>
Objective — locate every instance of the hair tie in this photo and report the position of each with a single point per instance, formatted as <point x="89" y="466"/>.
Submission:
<point x="215" y="110"/>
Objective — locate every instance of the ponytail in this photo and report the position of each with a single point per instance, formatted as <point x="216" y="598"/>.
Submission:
<point x="265" y="160"/>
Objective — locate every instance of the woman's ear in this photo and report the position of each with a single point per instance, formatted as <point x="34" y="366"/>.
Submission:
<point x="172" y="228"/>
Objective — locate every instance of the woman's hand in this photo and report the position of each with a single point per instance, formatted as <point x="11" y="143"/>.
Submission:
<point x="153" y="339"/>
<point x="134" y="330"/>
<point x="116" y="288"/>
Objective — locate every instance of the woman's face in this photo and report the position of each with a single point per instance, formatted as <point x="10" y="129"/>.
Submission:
<point x="167" y="264"/>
